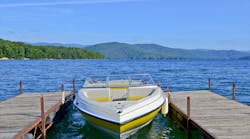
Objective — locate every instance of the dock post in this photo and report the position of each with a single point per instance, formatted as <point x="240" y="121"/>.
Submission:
<point x="169" y="90"/>
<point x="234" y="91"/>
<point x="43" y="119"/>
<point x="209" y="83"/>
<point x="21" y="87"/>
<point x="63" y="94"/>
<point x="169" y="99"/>
<point x="188" y="116"/>
<point x="74" y="87"/>
<point x="159" y="83"/>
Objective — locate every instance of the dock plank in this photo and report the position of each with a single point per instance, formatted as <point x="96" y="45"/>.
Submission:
<point x="218" y="115"/>
<point x="19" y="112"/>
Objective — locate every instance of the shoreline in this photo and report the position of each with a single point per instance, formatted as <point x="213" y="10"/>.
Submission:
<point x="5" y="58"/>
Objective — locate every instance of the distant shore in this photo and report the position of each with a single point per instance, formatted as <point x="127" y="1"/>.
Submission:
<point x="4" y="58"/>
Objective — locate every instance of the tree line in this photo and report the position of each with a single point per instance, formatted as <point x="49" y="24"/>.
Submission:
<point x="20" y="50"/>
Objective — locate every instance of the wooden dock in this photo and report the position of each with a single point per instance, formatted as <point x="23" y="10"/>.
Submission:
<point x="22" y="115"/>
<point x="213" y="115"/>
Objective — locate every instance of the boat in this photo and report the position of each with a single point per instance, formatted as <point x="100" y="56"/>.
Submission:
<point x="120" y="104"/>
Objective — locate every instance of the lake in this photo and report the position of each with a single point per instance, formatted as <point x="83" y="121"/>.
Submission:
<point x="48" y="75"/>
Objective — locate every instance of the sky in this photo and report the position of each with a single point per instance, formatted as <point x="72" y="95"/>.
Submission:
<point x="188" y="24"/>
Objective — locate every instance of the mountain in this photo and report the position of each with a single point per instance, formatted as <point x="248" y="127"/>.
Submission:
<point x="58" y="44"/>
<point x="116" y="50"/>
<point x="20" y="50"/>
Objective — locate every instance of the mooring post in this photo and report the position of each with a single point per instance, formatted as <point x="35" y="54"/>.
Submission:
<point x="63" y="94"/>
<point x="188" y="116"/>
<point x="43" y="118"/>
<point x="234" y="91"/>
<point x="169" y="99"/>
<point x="188" y="107"/>
<point x="169" y="89"/>
<point x="21" y="87"/>
<point x="74" y="87"/>
<point x="209" y="83"/>
<point x="159" y="83"/>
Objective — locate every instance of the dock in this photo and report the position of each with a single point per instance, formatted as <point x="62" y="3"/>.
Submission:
<point x="213" y="115"/>
<point x="22" y="114"/>
<point x="30" y="115"/>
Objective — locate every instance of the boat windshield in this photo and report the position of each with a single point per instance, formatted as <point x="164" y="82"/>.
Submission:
<point x="118" y="81"/>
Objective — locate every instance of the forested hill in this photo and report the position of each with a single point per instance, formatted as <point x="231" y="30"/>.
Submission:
<point x="20" y="50"/>
<point x="116" y="50"/>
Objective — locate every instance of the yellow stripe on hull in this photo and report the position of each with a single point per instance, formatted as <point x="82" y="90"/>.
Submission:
<point x="124" y="127"/>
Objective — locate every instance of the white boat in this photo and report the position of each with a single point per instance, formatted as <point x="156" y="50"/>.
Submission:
<point x="120" y="103"/>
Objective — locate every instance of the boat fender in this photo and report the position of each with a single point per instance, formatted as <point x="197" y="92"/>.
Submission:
<point x="164" y="108"/>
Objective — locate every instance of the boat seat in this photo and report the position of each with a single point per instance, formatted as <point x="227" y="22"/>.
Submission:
<point x="136" y="93"/>
<point x="119" y="93"/>
<point x="97" y="94"/>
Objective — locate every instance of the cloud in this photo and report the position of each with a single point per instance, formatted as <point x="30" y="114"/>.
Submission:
<point x="33" y="4"/>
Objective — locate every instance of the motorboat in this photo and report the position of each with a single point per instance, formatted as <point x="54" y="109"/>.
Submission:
<point x="120" y="103"/>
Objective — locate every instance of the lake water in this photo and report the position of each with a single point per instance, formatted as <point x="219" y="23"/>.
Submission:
<point x="48" y="75"/>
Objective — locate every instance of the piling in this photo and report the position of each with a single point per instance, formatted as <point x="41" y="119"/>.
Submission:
<point x="169" y="90"/>
<point x="169" y="95"/>
<point x="43" y="118"/>
<point x="209" y="83"/>
<point x="188" y="116"/>
<point x="21" y="87"/>
<point x="159" y="83"/>
<point x="74" y="87"/>
<point x="63" y="94"/>
<point x="234" y="91"/>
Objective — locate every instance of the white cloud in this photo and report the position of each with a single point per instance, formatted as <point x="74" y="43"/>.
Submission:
<point x="33" y="4"/>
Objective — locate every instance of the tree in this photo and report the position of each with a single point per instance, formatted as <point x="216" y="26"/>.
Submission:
<point x="19" y="50"/>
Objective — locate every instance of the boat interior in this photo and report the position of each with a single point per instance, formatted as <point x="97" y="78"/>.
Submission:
<point x="118" y="88"/>
<point x="117" y="94"/>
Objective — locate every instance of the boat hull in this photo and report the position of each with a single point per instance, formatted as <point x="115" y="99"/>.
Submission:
<point x="120" y="128"/>
<point x="120" y="104"/>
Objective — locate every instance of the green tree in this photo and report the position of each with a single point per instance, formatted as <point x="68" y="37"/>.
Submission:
<point x="20" y="50"/>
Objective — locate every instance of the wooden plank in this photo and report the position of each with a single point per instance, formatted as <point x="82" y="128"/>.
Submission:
<point x="7" y="135"/>
<point x="218" y="115"/>
<point x="19" y="112"/>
